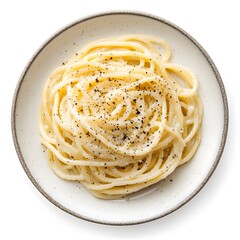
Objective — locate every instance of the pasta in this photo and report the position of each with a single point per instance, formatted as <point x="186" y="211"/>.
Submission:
<point x="120" y="116"/>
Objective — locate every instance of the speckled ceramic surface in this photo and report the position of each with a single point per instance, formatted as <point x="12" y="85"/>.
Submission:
<point x="158" y="200"/>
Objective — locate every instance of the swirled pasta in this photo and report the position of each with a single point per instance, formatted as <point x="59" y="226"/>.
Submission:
<point x="120" y="116"/>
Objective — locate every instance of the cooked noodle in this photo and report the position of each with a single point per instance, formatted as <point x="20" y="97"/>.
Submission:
<point x="120" y="116"/>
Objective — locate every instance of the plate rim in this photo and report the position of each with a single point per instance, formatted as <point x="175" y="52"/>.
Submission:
<point x="224" y="102"/>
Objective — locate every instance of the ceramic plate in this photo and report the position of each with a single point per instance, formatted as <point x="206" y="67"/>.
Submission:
<point x="155" y="201"/>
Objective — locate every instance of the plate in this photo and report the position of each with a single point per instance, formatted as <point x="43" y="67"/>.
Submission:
<point x="158" y="200"/>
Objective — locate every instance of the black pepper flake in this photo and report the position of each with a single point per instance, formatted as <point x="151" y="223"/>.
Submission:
<point x="138" y="112"/>
<point x="124" y="137"/>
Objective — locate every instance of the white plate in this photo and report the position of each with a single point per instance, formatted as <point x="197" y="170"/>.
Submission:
<point x="153" y="202"/>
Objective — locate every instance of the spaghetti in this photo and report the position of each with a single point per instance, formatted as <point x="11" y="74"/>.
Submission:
<point x="120" y="116"/>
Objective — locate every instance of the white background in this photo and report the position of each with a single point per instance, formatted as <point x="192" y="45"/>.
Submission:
<point x="26" y="214"/>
